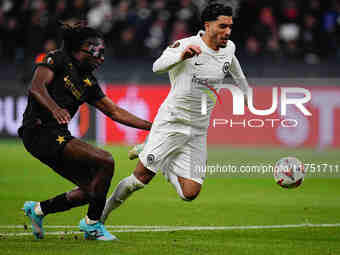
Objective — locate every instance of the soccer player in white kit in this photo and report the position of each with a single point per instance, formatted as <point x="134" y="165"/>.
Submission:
<point x="177" y="141"/>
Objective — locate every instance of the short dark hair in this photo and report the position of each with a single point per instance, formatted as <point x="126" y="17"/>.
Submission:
<point x="212" y="11"/>
<point x="75" y="36"/>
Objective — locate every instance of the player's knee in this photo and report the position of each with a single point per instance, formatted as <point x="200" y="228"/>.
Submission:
<point x="189" y="198"/>
<point x="107" y="163"/>
<point x="190" y="195"/>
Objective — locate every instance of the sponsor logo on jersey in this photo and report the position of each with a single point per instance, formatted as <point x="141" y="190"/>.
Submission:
<point x="69" y="84"/>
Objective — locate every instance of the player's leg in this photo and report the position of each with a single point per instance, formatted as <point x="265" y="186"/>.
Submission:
<point x="63" y="202"/>
<point x="96" y="185"/>
<point x="47" y="146"/>
<point x="160" y="147"/>
<point x="190" y="188"/>
<point x="185" y="174"/>
<point x="60" y="203"/>
<point x="91" y="169"/>
<point x="140" y="177"/>
<point x="94" y="180"/>
<point x="187" y="189"/>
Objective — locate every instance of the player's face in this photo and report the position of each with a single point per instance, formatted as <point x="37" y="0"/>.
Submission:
<point x="219" y="31"/>
<point x="94" y="52"/>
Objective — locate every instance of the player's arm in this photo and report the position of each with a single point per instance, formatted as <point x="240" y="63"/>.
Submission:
<point x="114" y="112"/>
<point x="41" y="78"/>
<point x="238" y="76"/>
<point x="173" y="55"/>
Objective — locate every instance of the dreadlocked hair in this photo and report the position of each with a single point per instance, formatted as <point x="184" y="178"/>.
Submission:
<point x="75" y="35"/>
<point x="214" y="9"/>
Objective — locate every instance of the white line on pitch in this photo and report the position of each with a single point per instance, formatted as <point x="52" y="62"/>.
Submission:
<point x="164" y="228"/>
<point x="107" y="226"/>
<point x="46" y="233"/>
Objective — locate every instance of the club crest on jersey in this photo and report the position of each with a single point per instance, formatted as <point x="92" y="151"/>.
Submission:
<point x="175" y="45"/>
<point x="226" y="67"/>
<point x="150" y="158"/>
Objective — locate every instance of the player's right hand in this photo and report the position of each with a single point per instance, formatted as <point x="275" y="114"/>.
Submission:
<point x="191" y="51"/>
<point x="61" y="115"/>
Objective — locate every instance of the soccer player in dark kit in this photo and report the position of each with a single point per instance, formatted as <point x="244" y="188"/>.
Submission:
<point x="60" y="84"/>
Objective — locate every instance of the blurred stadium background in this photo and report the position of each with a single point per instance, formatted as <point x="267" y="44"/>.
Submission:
<point x="278" y="43"/>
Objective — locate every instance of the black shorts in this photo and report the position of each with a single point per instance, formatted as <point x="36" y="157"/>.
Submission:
<point x="46" y="143"/>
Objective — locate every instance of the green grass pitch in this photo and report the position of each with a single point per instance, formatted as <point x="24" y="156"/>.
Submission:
<point x="224" y="201"/>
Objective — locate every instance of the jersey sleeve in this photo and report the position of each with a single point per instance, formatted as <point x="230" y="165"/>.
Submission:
<point x="237" y="73"/>
<point x="170" y="57"/>
<point x="53" y="60"/>
<point x="95" y="92"/>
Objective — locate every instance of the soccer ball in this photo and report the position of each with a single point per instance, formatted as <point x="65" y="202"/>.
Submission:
<point x="289" y="172"/>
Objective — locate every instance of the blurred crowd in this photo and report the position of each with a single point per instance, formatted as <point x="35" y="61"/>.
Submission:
<point x="305" y="29"/>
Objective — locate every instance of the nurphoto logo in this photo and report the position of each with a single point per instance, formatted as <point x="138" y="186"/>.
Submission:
<point x="288" y="96"/>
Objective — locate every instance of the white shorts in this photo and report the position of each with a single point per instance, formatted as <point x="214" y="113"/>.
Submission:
<point x="171" y="151"/>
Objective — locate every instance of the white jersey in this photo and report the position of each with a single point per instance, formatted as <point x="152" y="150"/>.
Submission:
<point x="183" y="104"/>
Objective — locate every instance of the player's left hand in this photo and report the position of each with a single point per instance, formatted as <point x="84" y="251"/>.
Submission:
<point x="191" y="51"/>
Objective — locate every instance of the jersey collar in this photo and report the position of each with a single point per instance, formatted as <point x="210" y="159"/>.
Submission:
<point x="207" y="48"/>
<point x="78" y="65"/>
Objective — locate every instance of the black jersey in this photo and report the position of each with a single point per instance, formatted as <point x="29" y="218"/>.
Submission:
<point x="69" y="88"/>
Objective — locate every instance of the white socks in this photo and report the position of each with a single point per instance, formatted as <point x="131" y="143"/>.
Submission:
<point x="124" y="189"/>
<point x="174" y="180"/>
